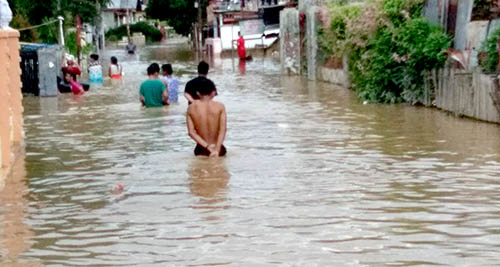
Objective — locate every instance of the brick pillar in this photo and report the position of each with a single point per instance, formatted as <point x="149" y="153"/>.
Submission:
<point x="16" y="96"/>
<point x="6" y="109"/>
<point x="11" y="121"/>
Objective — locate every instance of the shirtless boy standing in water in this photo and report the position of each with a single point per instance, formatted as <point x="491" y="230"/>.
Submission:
<point x="206" y="122"/>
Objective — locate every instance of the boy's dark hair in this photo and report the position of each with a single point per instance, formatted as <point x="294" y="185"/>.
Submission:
<point x="203" y="68"/>
<point x="206" y="87"/>
<point x="94" y="57"/>
<point x="153" y="69"/>
<point x="114" y="60"/>
<point x="167" y="68"/>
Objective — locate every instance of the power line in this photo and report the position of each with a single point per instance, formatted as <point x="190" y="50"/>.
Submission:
<point x="37" y="26"/>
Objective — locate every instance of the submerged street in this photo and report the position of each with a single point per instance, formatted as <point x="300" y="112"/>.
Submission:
<point x="312" y="178"/>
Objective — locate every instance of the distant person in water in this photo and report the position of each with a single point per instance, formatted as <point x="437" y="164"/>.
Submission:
<point x="115" y="69"/>
<point x="206" y="122"/>
<point x="190" y="93"/>
<point x="95" y="69"/>
<point x="172" y="83"/>
<point x="130" y="48"/>
<point x="76" y="87"/>
<point x="242" y="52"/>
<point x="153" y="92"/>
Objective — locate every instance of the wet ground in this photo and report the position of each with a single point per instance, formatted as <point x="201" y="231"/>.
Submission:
<point x="313" y="178"/>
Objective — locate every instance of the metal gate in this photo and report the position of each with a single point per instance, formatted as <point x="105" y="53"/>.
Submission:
<point x="29" y="69"/>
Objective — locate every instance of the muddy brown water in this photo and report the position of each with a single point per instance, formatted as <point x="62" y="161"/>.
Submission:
<point x="313" y="178"/>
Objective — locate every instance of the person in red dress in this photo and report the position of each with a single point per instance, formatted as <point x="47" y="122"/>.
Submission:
<point x="242" y="52"/>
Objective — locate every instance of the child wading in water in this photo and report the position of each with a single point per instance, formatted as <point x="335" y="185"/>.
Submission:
<point x="76" y="87"/>
<point x="206" y="122"/>
<point x="172" y="82"/>
<point x="115" y="69"/>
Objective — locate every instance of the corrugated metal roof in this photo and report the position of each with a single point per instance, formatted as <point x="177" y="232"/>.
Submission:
<point x="34" y="47"/>
<point x="122" y="4"/>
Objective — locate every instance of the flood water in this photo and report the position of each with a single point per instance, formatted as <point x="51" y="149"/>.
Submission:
<point x="312" y="178"/>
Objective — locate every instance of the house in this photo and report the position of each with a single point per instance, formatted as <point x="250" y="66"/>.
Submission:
<point x="257" y="20"/>
<point x="117" y="12"/>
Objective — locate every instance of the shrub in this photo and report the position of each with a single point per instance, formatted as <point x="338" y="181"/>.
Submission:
<point x="489" y="60"/>
<point x="391" y="69"/>
<point x="389" y="45"/>
<point x="151" y="33"/>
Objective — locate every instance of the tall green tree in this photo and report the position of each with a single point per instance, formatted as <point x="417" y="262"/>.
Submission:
<point x="180" y="14"/>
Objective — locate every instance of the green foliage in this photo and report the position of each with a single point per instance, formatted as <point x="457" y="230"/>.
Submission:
<point x="19" y="21"/>
<point x="70" y="42"/>
<point x="389" y="46"/>
<point x="398" y="11"/>
<point x="392" y="67"/>
<point x="71" y="46"/>
<point x="152" y="34"/>
<point x="335" y="41"/>
<point x="48" y="33"/>
<point x="485" y="9"/>
<point x="489" y="60"/>
<point x="180" y="14"/>
<point x="37" y="11"/>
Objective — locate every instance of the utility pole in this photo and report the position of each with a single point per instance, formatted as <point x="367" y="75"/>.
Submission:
<point x="128" y="21"/>
<point x="97" y="27"/>
<point x="61" y="31"/>
<point x="200" y="28"/>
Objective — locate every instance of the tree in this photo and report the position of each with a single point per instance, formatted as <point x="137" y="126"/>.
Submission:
<point x="37" y="11"/>
<point x="42" y="11"/>
<point x="180" y="14"/>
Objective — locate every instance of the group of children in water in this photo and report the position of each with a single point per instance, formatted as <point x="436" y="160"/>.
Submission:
<point x="71" y="70"/>
<point x="206" y="118"/>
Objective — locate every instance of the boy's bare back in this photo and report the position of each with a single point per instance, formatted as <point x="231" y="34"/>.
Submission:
<point x="207" y="119"/>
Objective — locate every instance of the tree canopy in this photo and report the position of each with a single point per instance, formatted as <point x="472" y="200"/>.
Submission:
<point x="29" y="12"/>
<point x="180" y="14"/>
<point x="36" y="11"/>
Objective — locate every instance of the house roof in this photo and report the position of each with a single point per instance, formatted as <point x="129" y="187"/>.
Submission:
<point x="123" y="4"/>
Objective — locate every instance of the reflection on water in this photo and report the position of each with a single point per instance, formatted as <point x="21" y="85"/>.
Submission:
<point x="209" y="178"/>
<point x="15" y="235"/>
<point x="313" y="178"/>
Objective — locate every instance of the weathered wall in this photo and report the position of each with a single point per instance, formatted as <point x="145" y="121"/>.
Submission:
<point x="304" y="5"/>
<point x="312" y="24"/>
<point x="437" y="12"/>
<point x="464" y="14"/>
<point x="469" y="94"/>
<point x="11" y="121"/>
<point x="335" y="76"/>
<point x="290" y="41"/>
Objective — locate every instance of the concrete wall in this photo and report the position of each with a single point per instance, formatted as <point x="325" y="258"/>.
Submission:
<point x="335" y="76"/>
<point x="469" y="94"/>
<point x="11" y="120"/>
<point x="304" y="5"/>
<point x="312" y="24"/>
<point x="437" y="12"/>
<point x="464" y="15"/>
<point x="290" y="41"/>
